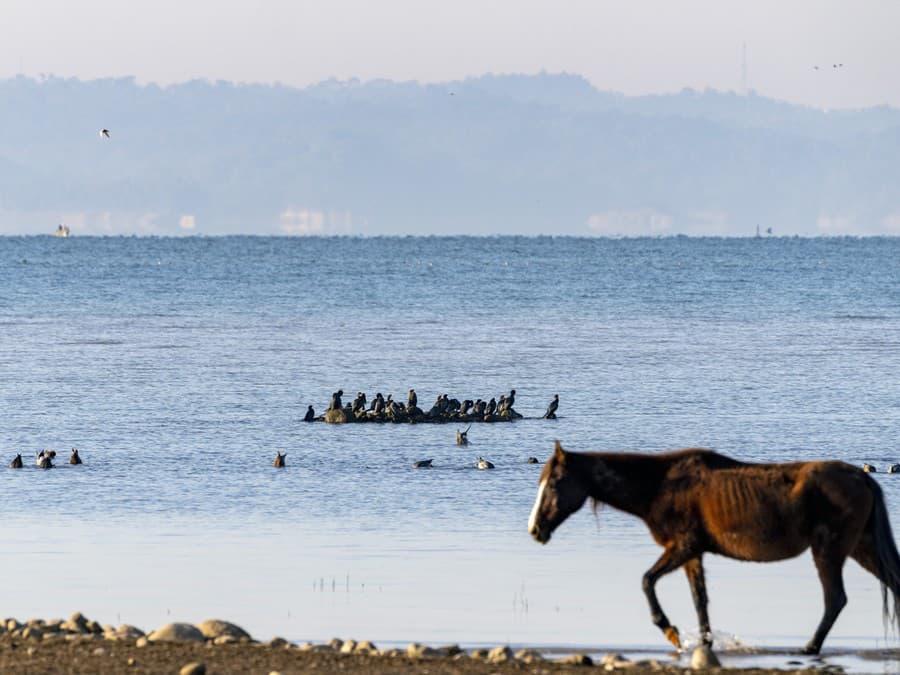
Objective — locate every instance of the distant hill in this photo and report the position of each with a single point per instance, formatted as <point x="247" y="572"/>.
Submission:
<point x="542" y="154"/>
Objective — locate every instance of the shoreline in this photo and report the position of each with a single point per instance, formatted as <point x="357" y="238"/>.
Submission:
<point x="78" y="645"/>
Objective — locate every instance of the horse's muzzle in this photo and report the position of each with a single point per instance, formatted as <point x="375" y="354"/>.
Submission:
<point x="540" y="535"/>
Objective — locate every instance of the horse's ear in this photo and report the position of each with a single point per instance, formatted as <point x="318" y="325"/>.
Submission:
<point x="558" y="453"/>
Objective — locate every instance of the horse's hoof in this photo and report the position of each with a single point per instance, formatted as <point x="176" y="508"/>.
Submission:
<point x="671" y="634"/>
<point x="704" y="658"/>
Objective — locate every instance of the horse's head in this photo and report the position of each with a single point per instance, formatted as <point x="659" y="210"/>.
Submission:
<point x="560" y="494"/>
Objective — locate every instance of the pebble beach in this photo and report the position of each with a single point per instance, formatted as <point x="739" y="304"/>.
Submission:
<point x="80" y="645"/>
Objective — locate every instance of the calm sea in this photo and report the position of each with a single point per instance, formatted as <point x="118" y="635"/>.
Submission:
<point x="178" y="367"/>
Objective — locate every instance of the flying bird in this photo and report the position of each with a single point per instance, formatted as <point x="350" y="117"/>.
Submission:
<point x="104" y="133"/>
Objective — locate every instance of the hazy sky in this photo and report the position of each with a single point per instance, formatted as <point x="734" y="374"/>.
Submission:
<point x="636" y="47"/>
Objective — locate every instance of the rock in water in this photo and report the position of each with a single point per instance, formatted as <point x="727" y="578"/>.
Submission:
<point x="337" y="416"/>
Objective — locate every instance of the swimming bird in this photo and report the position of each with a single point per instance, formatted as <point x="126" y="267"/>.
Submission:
<point x="894" y="468"/>
<point x="104" y="133"/>
<point x="74" y="458"/>
<point x="484" y="464"/>
<point x="423" y="464"/>
<point x="868" y="468"/>
<point x="413" y="399"/>
<point x="17" y="462"/>
<point x="551" y="409"/>
<point x="532" y="460"/>
<point x="310" y="415"/>
<point x="45" y="459"/>
<point x="462" y="437"/>
<point x="279" y="460"/>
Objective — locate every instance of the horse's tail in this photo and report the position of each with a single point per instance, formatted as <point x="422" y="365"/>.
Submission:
<point x="887" y="559"/>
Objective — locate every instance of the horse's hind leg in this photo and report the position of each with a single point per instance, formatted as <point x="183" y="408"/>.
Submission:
<point x="694" y="570"/>
<point x="670" y="560"/>
<point x="830" y="564"/>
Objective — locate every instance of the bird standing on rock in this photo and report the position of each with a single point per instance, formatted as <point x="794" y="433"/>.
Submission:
<point x="551" y="409"/>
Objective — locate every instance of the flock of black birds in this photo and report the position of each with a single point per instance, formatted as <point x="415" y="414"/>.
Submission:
<point x="444" y="409"/>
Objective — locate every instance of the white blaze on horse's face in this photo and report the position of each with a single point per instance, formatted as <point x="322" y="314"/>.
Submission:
<point x="535" y="511"/>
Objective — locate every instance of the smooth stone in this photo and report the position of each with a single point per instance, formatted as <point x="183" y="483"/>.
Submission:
<point x="335" y="644"/>
<point x="213" y="628"/>
<point x="479" y="653"/>
<point x="613" y="658"/>
<point x="278" y="642"/>
<point x="193" y="669"/>
<point x="32" y="632"/>
<point x="577" y="660"/>
<point x="225" y="640"/>
<point x="703" y="658"/>
<point x="418" y="651"/>
<point x="528" y="656"/>
<point x="126" y="632"/>
<point x="450" y="650"/>
<point x="73" y="627"/>
<point x="94" y="627"/>
<point x="177" y="632"/>
<point x="78" y="617"/>
<point x="12" y="624"/>
<point x="500" y="655"/>
<point x="365" y="647"/>
<point x="142" y="642"/>
<point x="348" y="647"/>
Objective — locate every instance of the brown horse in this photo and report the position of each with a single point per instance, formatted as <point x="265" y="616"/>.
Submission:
<point x="696" y="501"/>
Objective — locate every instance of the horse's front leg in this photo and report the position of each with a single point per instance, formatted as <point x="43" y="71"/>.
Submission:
<point x="672" y="559"/>
<point x="694" y="570"/>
